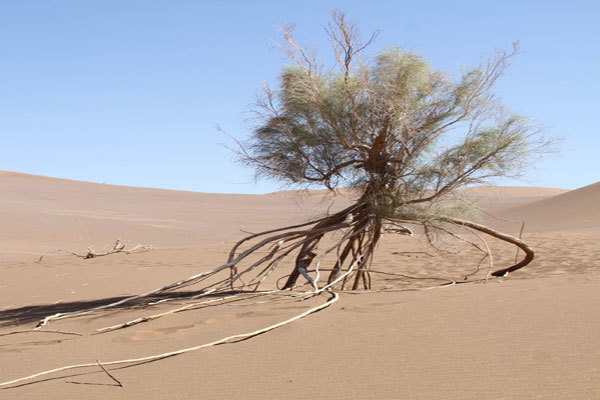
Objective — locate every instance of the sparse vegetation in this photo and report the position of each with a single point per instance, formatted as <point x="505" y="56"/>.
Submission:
<point x="404" y="137"/>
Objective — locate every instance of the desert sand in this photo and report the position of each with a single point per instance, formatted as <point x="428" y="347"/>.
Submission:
<point x="534" y="334"/>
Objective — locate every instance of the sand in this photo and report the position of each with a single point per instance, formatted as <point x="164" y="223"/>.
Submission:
<point x="535" y="334"/>
<point x="574" y="210"/>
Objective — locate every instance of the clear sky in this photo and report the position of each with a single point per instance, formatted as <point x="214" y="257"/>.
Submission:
<point x="129" y="92"/>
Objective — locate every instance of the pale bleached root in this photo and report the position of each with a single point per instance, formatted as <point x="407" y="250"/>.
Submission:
<point x="175" y="310"/>
<point x="231" y="264"/>
<point x="162" y="289"/>
<point x="334" y="298"/>
<point x="342" y="277"/>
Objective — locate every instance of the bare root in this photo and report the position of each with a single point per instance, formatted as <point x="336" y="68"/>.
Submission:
<point x="360" y="233"/>
<point x="229" y="339"/>
<point x="254" y="258"/>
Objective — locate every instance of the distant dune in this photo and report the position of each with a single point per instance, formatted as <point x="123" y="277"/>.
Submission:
<point x="496" y="198"/>
<point x="576" y="209"/>
<point x="40" y="213"/>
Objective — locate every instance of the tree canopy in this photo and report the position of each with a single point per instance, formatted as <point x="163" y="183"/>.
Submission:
<point x="402" y="134"/>
<point x="389" y="125"/>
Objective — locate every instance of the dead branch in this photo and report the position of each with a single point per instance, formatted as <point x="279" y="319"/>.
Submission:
<point x="109" y="374"/>
<point x="118" y="247"/>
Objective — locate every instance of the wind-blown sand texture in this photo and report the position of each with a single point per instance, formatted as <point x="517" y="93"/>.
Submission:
<point x="535" y="334"/>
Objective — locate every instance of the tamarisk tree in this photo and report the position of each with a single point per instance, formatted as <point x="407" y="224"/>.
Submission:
<point x="403" y="135"/>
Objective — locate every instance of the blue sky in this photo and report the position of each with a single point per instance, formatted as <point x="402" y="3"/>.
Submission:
<point x="129" y="92"/>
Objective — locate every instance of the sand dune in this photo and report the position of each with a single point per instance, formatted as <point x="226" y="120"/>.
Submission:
<point x="41" y="214"/>
<point x="502" y="197"/>
<point x="533" y="335"/>
<point x="576" y="209"/>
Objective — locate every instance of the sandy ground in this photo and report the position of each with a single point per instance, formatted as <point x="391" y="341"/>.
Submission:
<point x="535" y="334"/>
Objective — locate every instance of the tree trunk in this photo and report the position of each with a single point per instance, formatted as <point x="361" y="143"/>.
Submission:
<point x="306" y="254"/>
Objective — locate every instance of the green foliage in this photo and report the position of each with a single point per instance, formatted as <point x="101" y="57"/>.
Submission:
<point x="385" y="124"/>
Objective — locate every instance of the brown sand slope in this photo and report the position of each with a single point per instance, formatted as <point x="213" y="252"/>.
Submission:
<point x="535" y="335"/>
<point x="502" y="197"/>
<point x="522" y="339"/>
<point x="576" y="209"/>
<point x="41" y="214"/>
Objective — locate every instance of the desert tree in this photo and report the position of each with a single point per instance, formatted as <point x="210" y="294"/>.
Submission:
<point x="404" y="136"/>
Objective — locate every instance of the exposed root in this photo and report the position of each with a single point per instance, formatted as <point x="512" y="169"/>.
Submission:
<point x="229" y="339"/>
<point x="254" y="258"/>
<point x="354" y="251"/>
<point x="529" y="254"/>
<point x="522" y="223"/>
<point x="173" y="311"/>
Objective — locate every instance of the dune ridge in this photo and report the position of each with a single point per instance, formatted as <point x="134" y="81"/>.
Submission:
<point x="575" y="209"/>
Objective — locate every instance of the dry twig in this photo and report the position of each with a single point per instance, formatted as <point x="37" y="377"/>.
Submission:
<point x="118" y="247"/>
<point x="109" y="374"/>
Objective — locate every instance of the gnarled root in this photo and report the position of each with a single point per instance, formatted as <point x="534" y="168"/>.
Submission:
<point x="360" y="231"/>
<point x="529" y="254"/>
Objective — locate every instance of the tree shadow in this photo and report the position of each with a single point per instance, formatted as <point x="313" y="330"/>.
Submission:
<point x="32" y="314"/>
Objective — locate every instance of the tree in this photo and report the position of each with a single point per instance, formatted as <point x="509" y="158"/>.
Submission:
<point x="382" y="127"/>
<point x="403" y="135"/>
<point x="406" y="138"/>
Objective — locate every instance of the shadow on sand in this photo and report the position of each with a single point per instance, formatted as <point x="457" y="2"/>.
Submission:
<point x="33" y="314"/>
